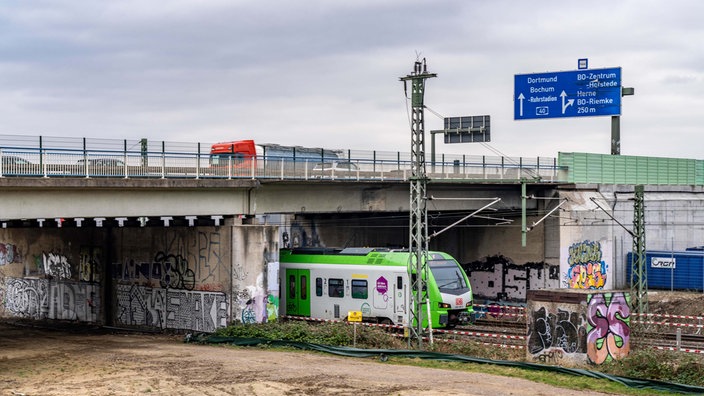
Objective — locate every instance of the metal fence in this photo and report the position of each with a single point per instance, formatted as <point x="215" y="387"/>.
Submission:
<point x="37" y="156"/>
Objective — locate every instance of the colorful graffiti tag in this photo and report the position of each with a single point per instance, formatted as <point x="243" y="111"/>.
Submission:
<point x="256" y="304"/>
<point x="608" y="327"/>
<point x="586" y="270"/>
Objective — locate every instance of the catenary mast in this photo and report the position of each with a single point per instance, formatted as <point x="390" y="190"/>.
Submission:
<point x="418" y="219"/>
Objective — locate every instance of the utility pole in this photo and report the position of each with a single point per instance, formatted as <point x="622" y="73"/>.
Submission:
<point x="418" y="217"/>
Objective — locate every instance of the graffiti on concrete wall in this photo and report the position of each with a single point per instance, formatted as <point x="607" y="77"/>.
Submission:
<point x="89" y="265"/>
<point x="193" y="263"/>
<point x="56" y="265"/>
<point x="171" y="308"/>
<point x="552" y="335"/>
<point x="208" y="255"/>
<point x="9" y="254"/>
<point x="175" y="272"/>
<point x="166" y="271"/>
<point x="203" y="252"/>
<point x="255" y="304"/>
<point x="608" y="326"/>
<point x="498" y="278"/>
<point x="51" y="299"/>
<point x="586" y="270"/>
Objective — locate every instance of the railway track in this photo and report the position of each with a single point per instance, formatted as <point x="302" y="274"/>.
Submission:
<point x="509" y="329"/>
<point x="498" y="324"/>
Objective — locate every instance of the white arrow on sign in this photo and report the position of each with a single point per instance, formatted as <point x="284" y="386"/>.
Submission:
<point x="567" y="104"/>
<point x="520" y="104"/>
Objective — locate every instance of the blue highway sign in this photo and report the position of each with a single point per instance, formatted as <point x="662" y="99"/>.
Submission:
<point x="579" y="93"/>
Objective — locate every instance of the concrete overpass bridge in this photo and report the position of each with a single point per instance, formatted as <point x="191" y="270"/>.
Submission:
<point x="113" y="242"/>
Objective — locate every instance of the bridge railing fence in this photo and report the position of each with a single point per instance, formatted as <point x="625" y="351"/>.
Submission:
<point x="32" y="156"/>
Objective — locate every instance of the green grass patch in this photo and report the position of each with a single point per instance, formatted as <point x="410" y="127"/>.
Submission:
<point x="643" y="364"/>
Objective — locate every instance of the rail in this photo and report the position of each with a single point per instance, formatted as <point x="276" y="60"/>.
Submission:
<point x="88" y="163"/>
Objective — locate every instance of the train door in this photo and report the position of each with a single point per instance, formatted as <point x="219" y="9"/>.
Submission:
<point x="399" y="295"/>
<point x="297" y="292"/>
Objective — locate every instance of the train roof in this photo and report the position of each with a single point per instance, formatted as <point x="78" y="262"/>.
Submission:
<point x="355" y="255"/>
<point x="350" y="251"/>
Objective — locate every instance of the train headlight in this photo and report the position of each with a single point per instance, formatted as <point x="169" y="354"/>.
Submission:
<point x="469" y="304"/>
<point x="444" y="305"/>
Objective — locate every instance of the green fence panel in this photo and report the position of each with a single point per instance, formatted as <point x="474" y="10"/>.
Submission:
<point x="623" y="169"/>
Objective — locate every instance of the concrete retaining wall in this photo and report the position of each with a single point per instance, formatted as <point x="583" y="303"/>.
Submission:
<point x="578" y="326"/>
<point x="190" y="278"/>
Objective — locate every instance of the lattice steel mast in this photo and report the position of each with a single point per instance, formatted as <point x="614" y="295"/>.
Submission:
<point x="639" y="283"/>
<point x="418" y="223"/>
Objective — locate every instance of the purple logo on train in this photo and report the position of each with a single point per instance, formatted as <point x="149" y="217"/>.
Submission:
<point x="382" y="285"/>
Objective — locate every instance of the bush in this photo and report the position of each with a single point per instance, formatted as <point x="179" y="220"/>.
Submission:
<point x="652" y="364"/>
<point x="334" y="334"/>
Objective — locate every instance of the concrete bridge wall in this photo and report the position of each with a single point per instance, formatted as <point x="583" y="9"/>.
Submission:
<point x="188" y="278"/>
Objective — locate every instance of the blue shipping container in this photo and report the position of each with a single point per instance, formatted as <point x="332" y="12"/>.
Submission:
<point x="672" y="270"/>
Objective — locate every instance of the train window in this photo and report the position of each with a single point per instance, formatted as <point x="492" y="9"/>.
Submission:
<point x="318" y="287"/>
<point x="304" y="289"/>
<point x="448" y="276"/>
<point x="399" y="283"/>
<point x="336" y="288"/>
<point x="292" y="286"/>
<point x="359" y="289"/>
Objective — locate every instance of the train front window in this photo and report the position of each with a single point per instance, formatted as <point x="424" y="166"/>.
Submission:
<point x="448" y="275"/>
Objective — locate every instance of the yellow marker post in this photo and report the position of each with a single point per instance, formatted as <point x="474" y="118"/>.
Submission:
<point x="354" y="317"/>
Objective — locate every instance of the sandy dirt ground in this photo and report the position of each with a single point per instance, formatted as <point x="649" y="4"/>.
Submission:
<point x="37" y="361"/>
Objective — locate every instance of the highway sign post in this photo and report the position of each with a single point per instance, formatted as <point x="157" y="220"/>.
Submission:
<point x="579" y="93"/>
<point x="468" y="129"/>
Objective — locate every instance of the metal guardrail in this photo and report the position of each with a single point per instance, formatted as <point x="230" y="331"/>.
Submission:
<point x="71" y="159"/>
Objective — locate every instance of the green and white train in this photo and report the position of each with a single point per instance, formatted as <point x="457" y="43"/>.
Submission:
<point x="325" y="283"/>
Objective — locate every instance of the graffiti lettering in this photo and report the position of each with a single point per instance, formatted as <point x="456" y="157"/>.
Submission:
<point x="564" y="331"/>
<point x="89" y="267"/>
<point x="587" y="276"/>
<point x="171" y="309"/>
<point x="56" y="265"/>
<point x="584" y="252"/>
<point x="498" y="278"/>
<point x="608" y="327"/>
<point x="49" y="299"/>
<point x="552" y="356"/>
<point x="175" y="272"/>
<point x="167" y="271"/>
<point x="9" y="254"/>
<point x="587" y="270"/>
<point x="209" y="256"/>
<point x="202" y="251"/>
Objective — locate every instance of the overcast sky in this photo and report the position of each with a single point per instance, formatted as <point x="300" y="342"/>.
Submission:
<point x="326" y="73"/>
